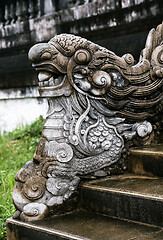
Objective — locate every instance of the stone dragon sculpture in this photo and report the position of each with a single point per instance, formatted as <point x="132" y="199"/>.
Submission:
<point x="97" y="102"/>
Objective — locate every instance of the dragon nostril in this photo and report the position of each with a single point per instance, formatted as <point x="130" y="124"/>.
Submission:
<point x="46" y="56"/>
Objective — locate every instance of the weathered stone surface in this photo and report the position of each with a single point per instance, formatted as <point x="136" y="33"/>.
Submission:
<point x="98" y="102"/>
<point x="134" y="197"/>
<point x="81" y="226"/>
<point x="146" y="160"/>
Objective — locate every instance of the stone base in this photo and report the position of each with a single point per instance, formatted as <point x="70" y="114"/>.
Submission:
<point x="134" y="197"/>
<point x="146" y="160"/>
<point x="17" y="230"/>
<point x="81" y="225"/>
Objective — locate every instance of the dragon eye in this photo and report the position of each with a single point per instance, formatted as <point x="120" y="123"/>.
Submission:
<point x="82" y="56"/>
<point x="46" y="56"/>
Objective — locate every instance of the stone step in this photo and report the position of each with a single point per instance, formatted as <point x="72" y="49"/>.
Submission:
<point x="146" y="160"/>
<point x="133" y="197"/>
<point x="81" y="225"/>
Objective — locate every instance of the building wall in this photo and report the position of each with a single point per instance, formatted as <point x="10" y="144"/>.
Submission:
<point x="19" y="107"/>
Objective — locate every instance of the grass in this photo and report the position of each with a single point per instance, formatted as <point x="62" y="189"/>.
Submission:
<point x="16" y="148"/>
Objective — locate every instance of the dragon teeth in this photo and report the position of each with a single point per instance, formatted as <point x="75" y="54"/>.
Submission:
<point x="43" y="76"/>
<point x="51" y="82"/>
<point x="41" y="84"/>
<point x="45" y="83"/>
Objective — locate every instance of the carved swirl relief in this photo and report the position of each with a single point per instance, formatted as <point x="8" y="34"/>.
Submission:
<point x="98" y="102"/>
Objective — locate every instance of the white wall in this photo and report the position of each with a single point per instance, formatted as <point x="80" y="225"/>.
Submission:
<point x="17" y="109"/>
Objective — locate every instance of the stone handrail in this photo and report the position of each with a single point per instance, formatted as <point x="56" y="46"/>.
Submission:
<point x="99" y="105"/>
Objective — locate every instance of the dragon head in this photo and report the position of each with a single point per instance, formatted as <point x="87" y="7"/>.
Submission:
<point x="69" y="61"/>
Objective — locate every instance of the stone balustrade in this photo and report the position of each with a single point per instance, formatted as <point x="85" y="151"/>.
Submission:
<point x="12" y="11"/>
<point x="26" y="22"/>
<point x="17" y="10"/>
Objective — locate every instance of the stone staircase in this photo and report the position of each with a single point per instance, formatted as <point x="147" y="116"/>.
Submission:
<point x="124" y="207"/>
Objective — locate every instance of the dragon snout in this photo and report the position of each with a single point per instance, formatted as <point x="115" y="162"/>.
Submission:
<point x="39" y="51"/>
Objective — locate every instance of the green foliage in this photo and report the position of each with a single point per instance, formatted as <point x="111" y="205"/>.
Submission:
<point x="32" y="130"/>
<point x="16" y="148"/>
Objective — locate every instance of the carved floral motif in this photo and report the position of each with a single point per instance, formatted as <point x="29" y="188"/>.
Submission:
<point x="97" y="102"/>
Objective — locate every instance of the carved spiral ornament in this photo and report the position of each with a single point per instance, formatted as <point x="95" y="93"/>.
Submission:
<point x="157" y="56"/>
<point x="160" y="56"/>
<point x="59" y="151"/>
<point x="101" y="81"/>
<point x="143" y="129"/>
<point x="34" y="211"/>
<point x="64" y="152"/>
<point x="129" y="59"/>
<point x="34" y="188"/>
